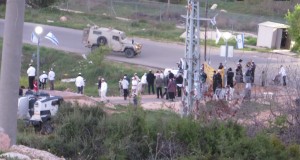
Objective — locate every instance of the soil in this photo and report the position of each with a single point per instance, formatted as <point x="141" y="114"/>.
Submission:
<point x="149" y="102"/>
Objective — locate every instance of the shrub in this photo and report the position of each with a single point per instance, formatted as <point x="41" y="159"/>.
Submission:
<point x="251" y="41"/>
<point x="88" y="133"/>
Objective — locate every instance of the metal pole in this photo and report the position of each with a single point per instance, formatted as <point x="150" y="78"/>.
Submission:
<point x="225" y="68"/>
<point x="192" y="58"/>
<point x="205" y="30"/>
<point x="11" y="68"/>
<point x="38" y="63"/>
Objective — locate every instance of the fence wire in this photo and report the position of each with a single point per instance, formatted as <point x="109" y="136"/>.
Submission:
<point x="162" y="12"/>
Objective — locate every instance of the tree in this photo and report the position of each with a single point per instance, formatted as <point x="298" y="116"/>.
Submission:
<point x="294" y="29"/>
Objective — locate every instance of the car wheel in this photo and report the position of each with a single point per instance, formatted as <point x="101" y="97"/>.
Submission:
<point x="94" y="47"/>
<point x="101" y="41"/>
<point x="129" y="53"/>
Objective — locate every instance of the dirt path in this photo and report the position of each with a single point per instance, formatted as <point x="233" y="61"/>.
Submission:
<point x="149" y="102"/>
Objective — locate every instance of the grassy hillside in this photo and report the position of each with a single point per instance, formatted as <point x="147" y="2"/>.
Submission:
<point x="68" y="65"/>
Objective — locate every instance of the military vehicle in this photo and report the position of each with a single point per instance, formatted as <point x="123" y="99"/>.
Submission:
<point x="94" y="37"/>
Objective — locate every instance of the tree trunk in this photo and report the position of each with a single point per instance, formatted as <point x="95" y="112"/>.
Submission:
<point x="11" y="67"/>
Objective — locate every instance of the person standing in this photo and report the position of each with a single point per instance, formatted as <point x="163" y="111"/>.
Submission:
<point x="220" y="66"/>
<point x="239" y="72"/>
<point x="99" y="86"/>
<point x="230" y="75"/>
<point x="282" y="72"/>
<point x="127" y="78"/>
<point x="51" y="77"/>
<point x="171" y="89"/>
<point x="31" y="76"/>
<point x="214" y="81"/>
<point x="35" y="86"/>
<point x="144" y="83"/>
<point x="134" y="85"/>
<point x="79" y="82"/>
<point x="125" y="85"/>
<point x="219" y="79"/>
<point x="43" y="80"/>
<point x="150" y="80"/>
<point x="253" y="67"/>
<point x="179" y="82"/>
<point x="103" y="90"/>
<point x="159" y="82"/>
<point x="170" y="75"/>
<point x="136" y="77"/>
<point x="248" y="74"/>
<point x="166" y="82"/>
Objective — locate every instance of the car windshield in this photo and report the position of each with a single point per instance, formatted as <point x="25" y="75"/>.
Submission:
<point x="123" y="36"/>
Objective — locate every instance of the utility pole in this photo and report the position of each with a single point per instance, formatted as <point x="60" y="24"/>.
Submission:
<point x="11" y="67"/>
<point x="205" y="29"/>
<point x="191" y="67"/>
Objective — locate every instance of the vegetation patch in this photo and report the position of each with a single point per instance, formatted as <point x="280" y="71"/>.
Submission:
<point x="83" y="132"/>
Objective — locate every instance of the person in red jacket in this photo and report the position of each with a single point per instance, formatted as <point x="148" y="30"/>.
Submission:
<point x="35" y="86"/>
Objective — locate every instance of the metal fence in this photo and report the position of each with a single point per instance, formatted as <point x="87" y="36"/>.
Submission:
<point x="162" y="12"/>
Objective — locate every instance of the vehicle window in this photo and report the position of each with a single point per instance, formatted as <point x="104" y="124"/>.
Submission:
<point x="123" y="36"/>
<point x="96" y="32"/>
<point x="115" y="38"/>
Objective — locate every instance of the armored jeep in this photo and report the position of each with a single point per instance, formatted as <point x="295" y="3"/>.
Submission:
<point x="94" y="37"/>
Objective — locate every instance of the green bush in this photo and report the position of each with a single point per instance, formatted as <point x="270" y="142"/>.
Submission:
<point x="83" y="132"/>
<point x="251" y="41"/>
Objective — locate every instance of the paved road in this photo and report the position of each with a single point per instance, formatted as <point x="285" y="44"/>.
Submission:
<point x="155" y="54"/>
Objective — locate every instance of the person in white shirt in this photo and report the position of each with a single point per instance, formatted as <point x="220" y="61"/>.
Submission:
<point x="144" y="82"/>
<point x="31" y="76"/>
<point x="134" y="85"/>
<point x="79" y="82"/>
<point x="51" y="78"/>
<point x="43" y="80"/>
<point x="136" y="77"/>
<point x="282" y="72"/>
<point x="103" y="90"/>
<point x="125" y="85"/>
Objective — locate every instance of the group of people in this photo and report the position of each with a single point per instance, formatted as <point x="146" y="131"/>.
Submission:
<point x="154" y="82"/>
<point x="163" y="84"/>
<point x="239" y="76"/>
<point x="43" y="79"/>
<point x="246" y="77"/>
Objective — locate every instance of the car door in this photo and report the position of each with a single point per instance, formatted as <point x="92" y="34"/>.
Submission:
<point x="116" y="44"/>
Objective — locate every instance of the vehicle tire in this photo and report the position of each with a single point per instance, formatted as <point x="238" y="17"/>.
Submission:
<point x="101" y="41"/>
<point x="129" y="53"/>
<point x="94" y="47"/>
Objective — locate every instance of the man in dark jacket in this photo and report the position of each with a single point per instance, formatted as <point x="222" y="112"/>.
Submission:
<point x="230" y="75"/>
<point x="150" y="80"/>
<point x="219" y="79"/>
<point x="253" y="67"/>
<point x="179" y="81"/>
<point x="214" y="81"/>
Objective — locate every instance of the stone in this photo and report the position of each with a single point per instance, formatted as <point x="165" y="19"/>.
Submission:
<point x="15" y="155"/>
<point x="34" y="153"/>
<point x="4" y="140"/>
<point x="63" y="18"/>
